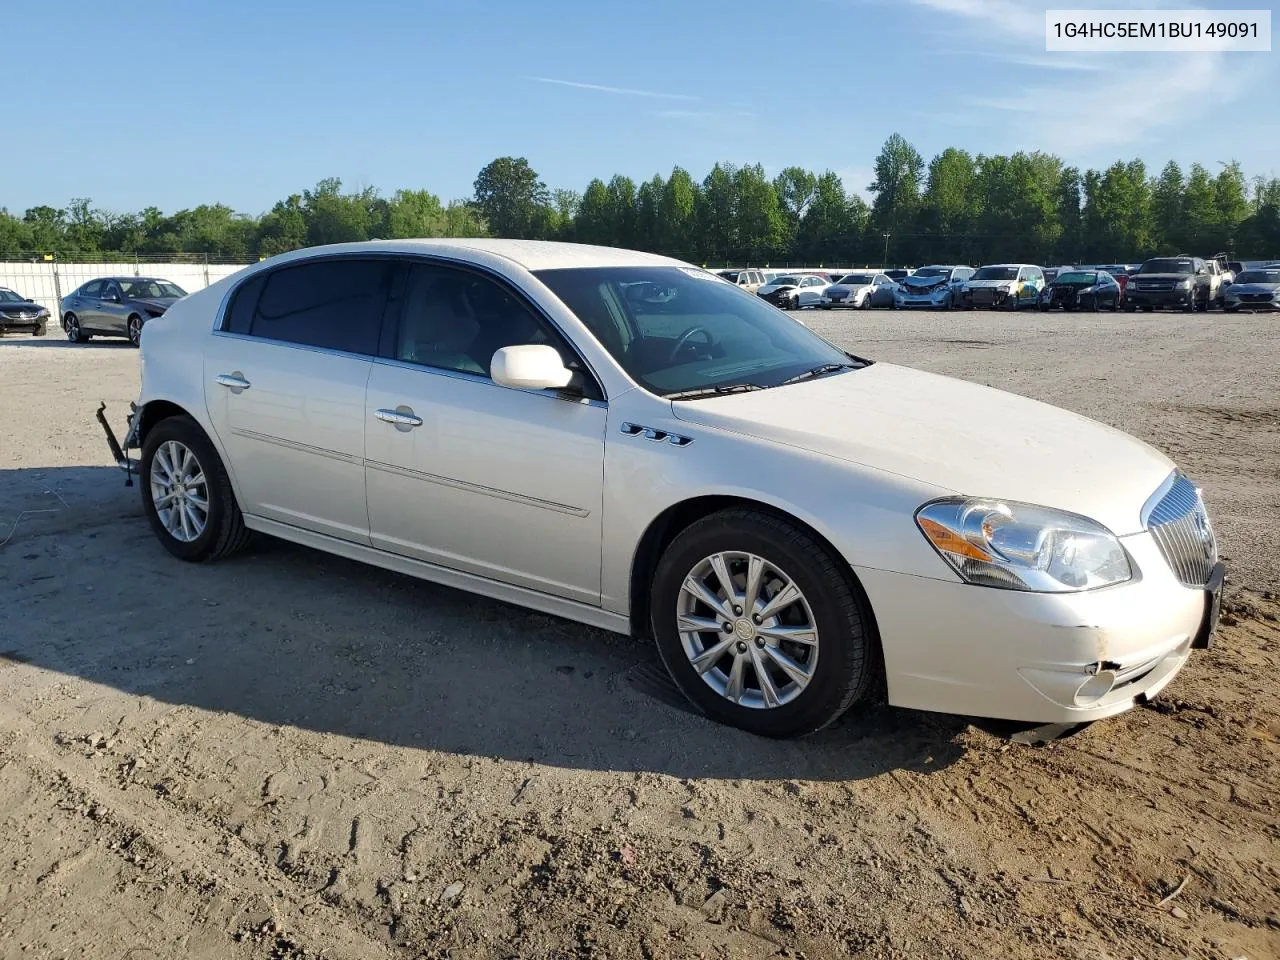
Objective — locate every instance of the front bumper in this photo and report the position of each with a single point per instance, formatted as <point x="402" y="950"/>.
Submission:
<point x="1044" y="658"/>
<point x="1251" y="305"/>
<point x="1160" y="298"/>
<point x="985" y="297"/>
<point x="915" y="300"/>
<point x="31" y="324"/>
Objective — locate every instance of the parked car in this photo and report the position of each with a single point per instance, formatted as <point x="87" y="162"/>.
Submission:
<point x="117" y="307"/>
<point x="1219" y="280"/>
<point x="1169" y="282"/>
<point x="936" y="287"/>
<point x="1254" y="290"/>
<point x="19" y="313"/>
<point x="750" y="280"/>
<point x="1082" y="290"/>
<point x="862" y="290"/>
<point x="1119" y="272"/>
<point x="793" y="291"/>
<point x="614" y="437"/>
<point x="1007" y="285"/>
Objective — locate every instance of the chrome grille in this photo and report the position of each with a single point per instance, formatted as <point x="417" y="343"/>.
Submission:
<point x="1180" y="525"/>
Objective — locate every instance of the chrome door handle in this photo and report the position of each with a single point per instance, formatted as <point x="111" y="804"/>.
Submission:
<point x="232" y="380"/>
<point x="402" y="417"/>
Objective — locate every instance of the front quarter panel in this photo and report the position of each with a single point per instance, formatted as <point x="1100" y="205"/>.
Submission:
<point x="867" y="515"/>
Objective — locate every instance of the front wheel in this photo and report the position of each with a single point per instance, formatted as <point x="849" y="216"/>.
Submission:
<point x="186" y="493"/>
<point x="135" y="330"/>
<point x="759" y="626"/>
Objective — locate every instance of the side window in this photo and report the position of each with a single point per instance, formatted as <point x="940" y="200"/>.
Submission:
<point x="457" y="320"/>
<point x="110" y="289"/>
<point x="244" y="301"/>
<point x="335" y="304"/>
<point x="92" y="289"/>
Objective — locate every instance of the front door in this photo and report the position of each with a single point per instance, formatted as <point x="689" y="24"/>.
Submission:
<point x="112" y="313"/>
<point x="285" y="388"/>
<point x="506" y="484"/>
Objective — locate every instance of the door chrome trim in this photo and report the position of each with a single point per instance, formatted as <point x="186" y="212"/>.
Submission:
<point x="398" y="417"/>
<point x="477" y="489"/>
<point x="300" y="447"/>
<point x="232" y="381"/>
<point x="487" y="381"/>
<point x="520" y="596"/>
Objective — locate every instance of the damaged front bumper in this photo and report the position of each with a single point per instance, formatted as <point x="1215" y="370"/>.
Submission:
<point x="120" y="453"/>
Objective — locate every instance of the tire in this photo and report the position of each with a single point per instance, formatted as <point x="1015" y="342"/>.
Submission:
<point x="224" y="531"/>
<point x="134" y="328"/>
<point x="844" y="660"/>
<point x="71" y="324"/>
<point x="40" y="331"/>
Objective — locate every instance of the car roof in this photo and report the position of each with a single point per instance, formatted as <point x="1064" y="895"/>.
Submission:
<point x="530" y="254"/>
<point x="985" y="265"/>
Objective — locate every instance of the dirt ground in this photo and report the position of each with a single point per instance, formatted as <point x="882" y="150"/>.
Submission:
<point x="289" y="755"/>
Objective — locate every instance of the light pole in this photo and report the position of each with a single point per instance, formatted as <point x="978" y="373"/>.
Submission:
<point x="885" y="261"/>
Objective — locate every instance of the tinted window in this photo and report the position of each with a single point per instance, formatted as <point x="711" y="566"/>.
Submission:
<point x="993" y="273"/>
<point x="243" y="302"/>
<point x="1167" y="266"/>
<point x="109" y="289"/>
<point x="152" y="289"/>
<point x="334" y="304"/>
<point x="1259" y="276"/>
<point x="91" y="289"/>
<point x="457" y="320"/>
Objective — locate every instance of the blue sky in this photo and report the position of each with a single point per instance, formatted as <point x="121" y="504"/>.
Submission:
<point x="169" y="103"/>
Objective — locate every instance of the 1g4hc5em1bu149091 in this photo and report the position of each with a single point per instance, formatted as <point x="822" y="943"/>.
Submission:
<point x="631" y="442"/>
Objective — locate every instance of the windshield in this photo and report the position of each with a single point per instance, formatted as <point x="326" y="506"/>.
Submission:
<point x="783" y="281"/>
<point x="673" y="330"/>
<point x="1167" y="266"/>
<point x="151" y="289"/>
<point x="996" y="273"/>
<point x="857" y="279"/>
<point x="9" y="295"/>
<point x="932" y="272"/>
<point x="1077" y="276"/>
<point x="1259" y="276"/>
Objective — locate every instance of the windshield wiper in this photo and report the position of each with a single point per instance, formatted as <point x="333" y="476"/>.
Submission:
<point x="819" y="371"/>
<point x="714" y="391"/>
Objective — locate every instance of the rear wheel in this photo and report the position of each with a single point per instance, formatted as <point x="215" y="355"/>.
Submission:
<point x="759" y="626"/>
<point x="135" y="330"/>
<point x="71" y="323"/>
<point x="186" y="493"/>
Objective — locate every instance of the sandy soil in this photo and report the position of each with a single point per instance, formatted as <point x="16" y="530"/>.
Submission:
<point x="290" y="755"/>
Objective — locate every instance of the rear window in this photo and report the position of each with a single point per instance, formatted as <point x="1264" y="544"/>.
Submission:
<point x="996" y="273"/>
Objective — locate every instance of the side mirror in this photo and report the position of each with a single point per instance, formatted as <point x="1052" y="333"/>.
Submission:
<point x="530" y="366"/>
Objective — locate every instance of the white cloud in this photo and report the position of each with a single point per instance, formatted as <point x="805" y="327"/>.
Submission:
<point x="700" y="114"/>
<point x="601" y="88"/>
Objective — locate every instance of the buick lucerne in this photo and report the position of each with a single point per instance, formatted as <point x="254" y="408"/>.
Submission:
<point x="630" y="442"/>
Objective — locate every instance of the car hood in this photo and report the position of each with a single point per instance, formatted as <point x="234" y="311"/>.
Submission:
<point x="1253" y="288"/>
<point x="974" y="284"/>
<point x="1139" y="277"/>
<point x="958" y="436"/>
<point x="23" y="305"/>
<point x="915" y="281"/>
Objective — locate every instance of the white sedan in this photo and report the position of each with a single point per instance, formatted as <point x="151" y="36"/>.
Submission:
<point x="793" y="291"/>
<point x="629" y="442"/>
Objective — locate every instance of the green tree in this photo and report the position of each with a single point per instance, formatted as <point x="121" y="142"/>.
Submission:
<point x="947" y="209"/>
<point x="1071" y="238"/>
<point x="648" y="212"/>
<point x="717" y="231"/>
<point x="1167" y="208"/>
<point x="595" y="220"/>
<point x="677" y="215"/>
<point x="1229" y="195"/>
<point x="1199" y="211"/>
<point x="898" y="168"/>
<point x="761" y="223"/>
<point x="622" y="201"/>
<point x="829" y="229"/>
<point x="512" y="199"/>
<point x="1117" y="212"/>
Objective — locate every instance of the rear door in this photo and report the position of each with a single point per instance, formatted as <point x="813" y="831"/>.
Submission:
<point x="85" y="305"/>
<point x="285" y="386"/>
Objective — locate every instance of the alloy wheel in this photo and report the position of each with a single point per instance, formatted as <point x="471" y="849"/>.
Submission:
<point x="747" y="629"/>
<point x="135" y="331"/>
<point x="179" y="491"/>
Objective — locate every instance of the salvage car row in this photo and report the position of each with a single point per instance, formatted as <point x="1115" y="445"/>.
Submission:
<point x="1182" y="282"/>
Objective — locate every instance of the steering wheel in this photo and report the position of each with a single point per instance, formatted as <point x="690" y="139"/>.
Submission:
<point x="683" y="341"/>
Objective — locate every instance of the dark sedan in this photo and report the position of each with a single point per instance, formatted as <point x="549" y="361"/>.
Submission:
<point x="1081" y="290"/>
<point x="19" y="313"/>
<point x="117" y="307"/>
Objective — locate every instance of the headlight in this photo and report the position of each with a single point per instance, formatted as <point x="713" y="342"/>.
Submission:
<point x="1184" y="284"/>
<point x="1018" y="546"/>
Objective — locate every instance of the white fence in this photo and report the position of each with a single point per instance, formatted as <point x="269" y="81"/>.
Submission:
<point x="46" y="282"/>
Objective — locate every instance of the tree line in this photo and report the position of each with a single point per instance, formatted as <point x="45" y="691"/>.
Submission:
<point x="958" y="207"/>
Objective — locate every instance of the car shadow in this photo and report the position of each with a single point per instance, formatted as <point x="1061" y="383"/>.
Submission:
<point x="294" y="637"/>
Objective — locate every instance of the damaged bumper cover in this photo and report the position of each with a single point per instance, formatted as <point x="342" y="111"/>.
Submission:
<point x="1040" y="658"/>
